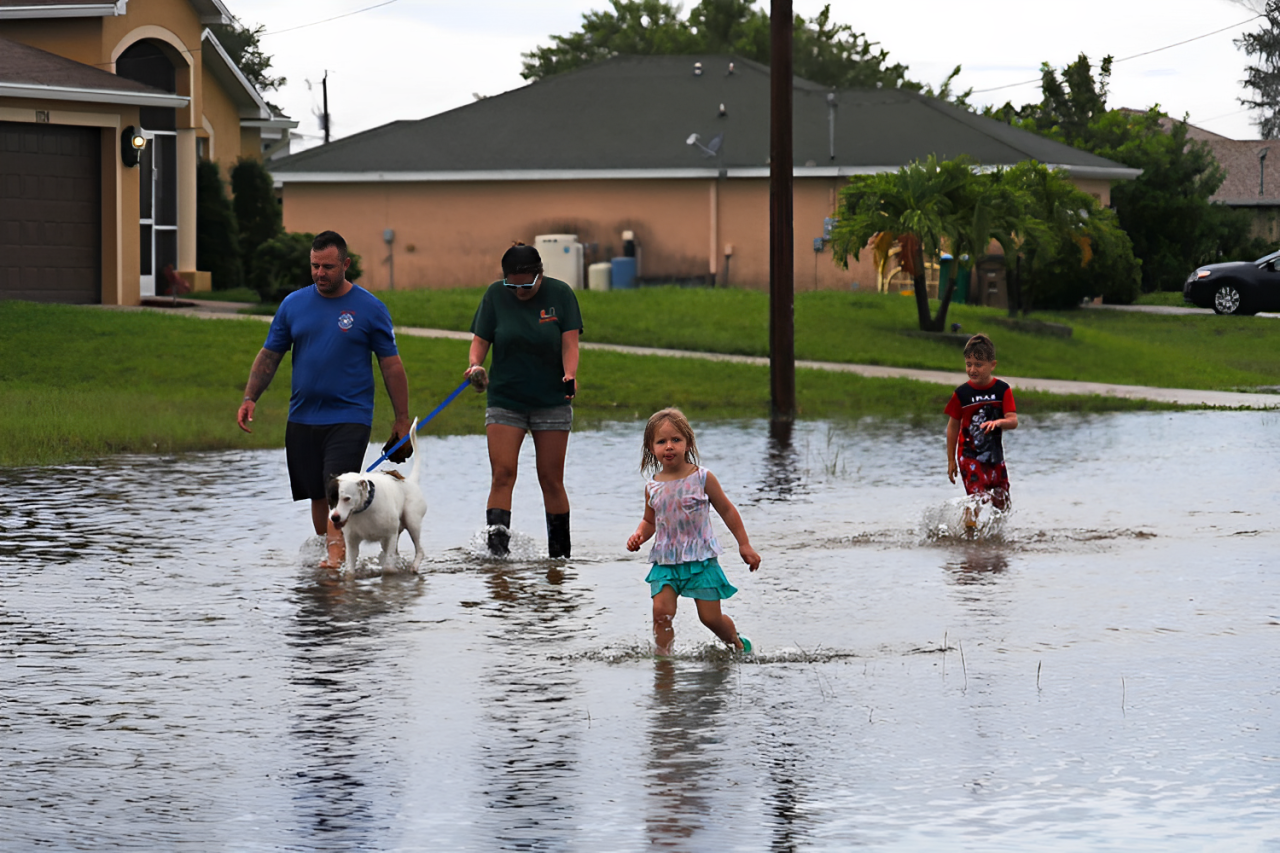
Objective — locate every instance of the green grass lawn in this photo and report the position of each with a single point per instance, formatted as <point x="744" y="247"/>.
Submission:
<point x="1124" y="347"/>
<point x="80" y="382"/>
<point x="1163" y="297"/>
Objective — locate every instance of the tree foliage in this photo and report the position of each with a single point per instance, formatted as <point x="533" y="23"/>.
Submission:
<point x="217" y="235"/>
<point x="1166" y="210"/>
<point x="1264" y="77"/>
<point x="257" y="211"/>
<point x="242" y="45"/>
<point x="1072" y="246"/>
<point x="282" y="264"/>
<point x="823" y="51"/>
<point x="1032" y="212"/>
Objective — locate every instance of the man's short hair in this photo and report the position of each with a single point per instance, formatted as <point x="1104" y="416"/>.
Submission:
<point x="325" y="239"/>
<point x="980" y="346"/>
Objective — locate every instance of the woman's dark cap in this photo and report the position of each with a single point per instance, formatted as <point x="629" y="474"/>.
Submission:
<point x="521" y="259"/>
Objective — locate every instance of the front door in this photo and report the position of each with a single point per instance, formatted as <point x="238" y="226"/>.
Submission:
<point x="158" y="210"/>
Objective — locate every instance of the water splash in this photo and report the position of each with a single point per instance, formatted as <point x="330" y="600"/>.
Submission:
<point x="368" y="564"/>
<point x="710" y="652"/>
<point x="970" y="518"/>
<point x="522" y="548"/>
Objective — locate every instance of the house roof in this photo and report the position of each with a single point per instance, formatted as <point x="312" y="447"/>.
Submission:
<point x="210" y="11"/>
<point x="635" y="117"/>
<point x="28" y="72"/>
<point x="1247" y="182"/>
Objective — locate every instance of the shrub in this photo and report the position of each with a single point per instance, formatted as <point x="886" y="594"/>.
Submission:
<point x="256" y="208"/>
<point x="282" y="264"/>
<point x="217" y="234"/>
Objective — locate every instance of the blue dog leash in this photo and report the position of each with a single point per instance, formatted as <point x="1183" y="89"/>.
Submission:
<point x="421" y="424"/>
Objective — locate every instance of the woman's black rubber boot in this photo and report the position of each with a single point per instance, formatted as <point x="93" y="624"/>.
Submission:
<point x="499" y="521"/>
<point x="558" y="535"/>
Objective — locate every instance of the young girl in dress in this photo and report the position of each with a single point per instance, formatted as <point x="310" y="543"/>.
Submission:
<point x="677" y="508"/>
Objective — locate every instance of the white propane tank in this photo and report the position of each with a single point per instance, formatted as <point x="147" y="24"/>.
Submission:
<point x="598" y="275"/>
<point x="561" y="257"/>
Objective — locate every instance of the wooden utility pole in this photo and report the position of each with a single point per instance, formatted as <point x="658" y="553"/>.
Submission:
<point x="782" y="341"/>
<point x="324" y="86"/>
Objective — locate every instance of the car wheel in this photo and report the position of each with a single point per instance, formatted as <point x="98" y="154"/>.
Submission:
<point x="1227" y="300"/>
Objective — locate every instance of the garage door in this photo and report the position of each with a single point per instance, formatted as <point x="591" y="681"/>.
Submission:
<point x="50" y="213"/>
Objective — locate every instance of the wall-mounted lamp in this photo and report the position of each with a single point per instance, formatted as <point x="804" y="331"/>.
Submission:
<point x="132" y="141"/>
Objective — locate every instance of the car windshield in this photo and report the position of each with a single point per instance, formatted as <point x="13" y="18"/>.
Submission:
<point x="1271" y="257"/>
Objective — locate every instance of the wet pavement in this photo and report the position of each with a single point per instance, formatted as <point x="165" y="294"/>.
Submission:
<point x="1095" y="672"/>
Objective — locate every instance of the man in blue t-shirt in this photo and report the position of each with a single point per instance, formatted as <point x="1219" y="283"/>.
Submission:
<point x="332" y="327"/>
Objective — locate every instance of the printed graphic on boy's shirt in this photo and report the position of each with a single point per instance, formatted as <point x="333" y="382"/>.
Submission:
<point x="548" y="315"/>
<point x="346" y="320"/>
<point x="984" y="445"/>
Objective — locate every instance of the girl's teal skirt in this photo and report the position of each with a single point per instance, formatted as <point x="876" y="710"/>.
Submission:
<point x="703" y="579"/>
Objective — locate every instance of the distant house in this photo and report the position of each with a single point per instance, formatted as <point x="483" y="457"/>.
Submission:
<point x="1252" y="181"/>
<point x="84" y="216"/>
<point x="672" y="148"/>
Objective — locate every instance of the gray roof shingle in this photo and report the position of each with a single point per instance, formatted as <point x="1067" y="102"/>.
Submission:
<point x="636" y="113"/>
<point x="23" y="67"/>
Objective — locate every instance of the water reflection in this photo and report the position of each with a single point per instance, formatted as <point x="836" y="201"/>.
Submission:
<point x="683" y="770"/>
<point x="530" y="761"/>
<point x="979" y="565"/>
<point x="345" y="680"/>
<point x="783" y="477"/>
<point x="173" y="678"/>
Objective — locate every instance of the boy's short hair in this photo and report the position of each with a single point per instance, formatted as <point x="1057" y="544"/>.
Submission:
<point x="980" y="346"/>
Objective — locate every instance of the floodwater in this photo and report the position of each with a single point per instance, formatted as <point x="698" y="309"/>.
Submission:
<point x="1098" y="671"/>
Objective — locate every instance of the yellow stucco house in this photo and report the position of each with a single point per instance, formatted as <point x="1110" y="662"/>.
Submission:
<point x="86" y="215"/>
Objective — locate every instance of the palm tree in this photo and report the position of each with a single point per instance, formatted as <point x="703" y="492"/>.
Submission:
<point x="924" y="207"/>
<point x="1056" y="213"/>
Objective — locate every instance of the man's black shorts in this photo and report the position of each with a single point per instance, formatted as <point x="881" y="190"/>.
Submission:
<point x="316" y="453"/>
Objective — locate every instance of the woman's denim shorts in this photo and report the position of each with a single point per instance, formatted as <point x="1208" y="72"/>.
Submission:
<point x="536" y="420"/>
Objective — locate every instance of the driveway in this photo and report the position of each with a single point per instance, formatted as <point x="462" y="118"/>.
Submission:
<point x="1165" y="309"/>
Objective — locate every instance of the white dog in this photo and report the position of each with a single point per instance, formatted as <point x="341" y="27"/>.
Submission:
<point x="377" y="507"/>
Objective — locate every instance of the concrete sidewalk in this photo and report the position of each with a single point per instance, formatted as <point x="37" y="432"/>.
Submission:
<point x="1181" y="396"/>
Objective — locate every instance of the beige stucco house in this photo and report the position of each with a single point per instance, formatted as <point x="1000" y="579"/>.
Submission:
<point x="84" y="217"/>
<point x="672" y="148"/>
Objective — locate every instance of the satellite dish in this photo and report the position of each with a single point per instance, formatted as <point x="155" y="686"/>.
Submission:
<point x="711" y="149"/>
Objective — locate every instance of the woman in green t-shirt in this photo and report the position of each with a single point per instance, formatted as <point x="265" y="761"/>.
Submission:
<point x="532" y="324"/>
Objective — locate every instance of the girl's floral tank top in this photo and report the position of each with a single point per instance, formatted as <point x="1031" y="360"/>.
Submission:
<point x="682" y="518"/>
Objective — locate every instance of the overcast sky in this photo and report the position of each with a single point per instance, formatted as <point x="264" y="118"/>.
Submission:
<point x="408" y="59"/>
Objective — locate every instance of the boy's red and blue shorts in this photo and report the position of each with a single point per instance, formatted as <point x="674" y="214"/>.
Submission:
<point x="983" y="479"/>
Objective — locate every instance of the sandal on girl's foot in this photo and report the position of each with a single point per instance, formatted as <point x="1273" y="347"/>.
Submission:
<point x="746" y="644"/>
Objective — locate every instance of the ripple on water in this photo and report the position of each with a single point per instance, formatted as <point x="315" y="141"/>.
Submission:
<point x="1095" y="673"/>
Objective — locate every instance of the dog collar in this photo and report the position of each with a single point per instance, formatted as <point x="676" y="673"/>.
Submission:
<point x="369" y="500"/>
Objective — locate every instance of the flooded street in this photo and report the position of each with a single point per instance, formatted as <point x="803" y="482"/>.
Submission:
<point x="1100" y="674"/>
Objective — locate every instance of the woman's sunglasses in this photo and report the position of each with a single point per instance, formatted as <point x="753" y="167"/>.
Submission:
<point x="523" y="286"/>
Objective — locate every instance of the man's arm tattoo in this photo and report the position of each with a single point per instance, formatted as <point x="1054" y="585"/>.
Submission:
<point x="263" y="371"/>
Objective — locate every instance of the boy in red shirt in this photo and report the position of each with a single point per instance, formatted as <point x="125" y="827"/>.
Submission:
<point x="980" y="411"/>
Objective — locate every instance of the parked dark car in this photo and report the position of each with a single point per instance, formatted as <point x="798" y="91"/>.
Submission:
<point x="1240" y="287"/>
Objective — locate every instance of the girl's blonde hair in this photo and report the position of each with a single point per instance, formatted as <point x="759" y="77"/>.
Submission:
<point x="649" y="462"/>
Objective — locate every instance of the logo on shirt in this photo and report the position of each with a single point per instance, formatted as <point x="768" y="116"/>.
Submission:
<point x="346" y="320"/>
<point x="548" y="315"/>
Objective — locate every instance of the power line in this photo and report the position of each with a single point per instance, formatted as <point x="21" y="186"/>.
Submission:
<point x="1127" y="58"/>
<point x="327" y="20"/>
<point x="1224" y="115"/>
